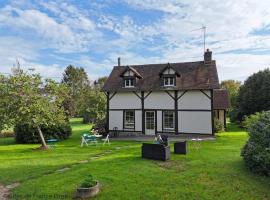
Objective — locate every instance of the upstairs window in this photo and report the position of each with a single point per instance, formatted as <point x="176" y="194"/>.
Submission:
<point x="129" y="82"/>
<point x="169" y="81"/>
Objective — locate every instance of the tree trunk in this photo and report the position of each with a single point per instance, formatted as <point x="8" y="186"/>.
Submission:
<point x="44" y="145"/>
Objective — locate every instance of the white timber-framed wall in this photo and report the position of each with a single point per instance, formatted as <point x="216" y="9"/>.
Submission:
<point x="193" y="110"/>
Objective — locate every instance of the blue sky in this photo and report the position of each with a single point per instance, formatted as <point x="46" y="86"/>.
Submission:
<point x="49" y="35"/>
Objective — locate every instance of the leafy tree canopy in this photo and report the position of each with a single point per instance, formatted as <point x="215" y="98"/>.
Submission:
<point x="254" y="94"/>
<point x="30" y="99"/>
<point x="233" y="88"/>
<point x="76" y="80"/>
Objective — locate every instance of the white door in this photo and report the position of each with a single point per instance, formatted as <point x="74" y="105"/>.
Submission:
<point x="150" y="119"/>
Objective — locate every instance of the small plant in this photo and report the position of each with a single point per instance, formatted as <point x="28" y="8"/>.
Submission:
<point x="218" y="126"/>
<point x="88" y="182"/>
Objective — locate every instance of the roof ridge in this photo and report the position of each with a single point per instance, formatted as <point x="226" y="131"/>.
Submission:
<point x="143" y="65"/>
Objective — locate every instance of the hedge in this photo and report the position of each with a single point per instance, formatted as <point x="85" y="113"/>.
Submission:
<point x="26" y="133"/>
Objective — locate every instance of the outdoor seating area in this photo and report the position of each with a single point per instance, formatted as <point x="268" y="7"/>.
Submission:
<point x="93" y="138"/>
<point x="160" y="149"/>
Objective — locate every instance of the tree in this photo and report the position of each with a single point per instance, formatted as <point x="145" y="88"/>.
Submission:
<point x="4" y="119"/>
<point x="100" y="82"/>
<point x="34" y="101"/>
<point x="76" y="80"/>
<point x="93" y="105"/>
<point x="233" y="88"/>
<point x="254" y="94"/>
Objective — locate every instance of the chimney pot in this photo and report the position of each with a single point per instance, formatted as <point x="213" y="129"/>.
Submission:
<point x="119" y="61"/>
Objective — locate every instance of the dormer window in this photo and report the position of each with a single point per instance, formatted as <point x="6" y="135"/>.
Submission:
<point x="168" y="76"/>
<point x="168" y="81"/>
<point x="129" y="82"/>
<point x="130" y="77"/>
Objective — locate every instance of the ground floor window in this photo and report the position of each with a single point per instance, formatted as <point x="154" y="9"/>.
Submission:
<point x="150" y="120"/>
<point x="129" y="119"/>
<point x="168" y="120"/>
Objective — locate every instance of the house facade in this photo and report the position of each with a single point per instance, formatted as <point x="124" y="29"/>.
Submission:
<point x="171" y="98"/>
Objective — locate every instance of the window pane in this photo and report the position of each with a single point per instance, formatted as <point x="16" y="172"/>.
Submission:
<point x="150" y="120"/>
<point x="129" y="119"/>
<point x="168" y="119"/>
<point x="126" y="82"/>
<point x="169" y="81"/>
<point x="166" y="81"/>
<point x="129" y="82"/>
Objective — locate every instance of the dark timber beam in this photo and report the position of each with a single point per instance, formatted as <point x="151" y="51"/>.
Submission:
<point x="147" y="95"/>
<point x="225" y="125"/>
<point x="209" y="97"/>
<point x="170" y="95"/>
<point x="137" y="95"/>
<point x="181" y="95"/>
<point x="212" y="111"/>
<point x="176" y="111"/>
<point x="110" y="97"/>
<point x="143" y="114"/>
<point x="108" y="107"/>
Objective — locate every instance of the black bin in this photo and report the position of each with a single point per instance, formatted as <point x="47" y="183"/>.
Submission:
<point x="180" y="147"/>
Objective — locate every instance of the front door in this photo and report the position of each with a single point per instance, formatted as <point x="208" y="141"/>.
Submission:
<point x="150" y="119"/>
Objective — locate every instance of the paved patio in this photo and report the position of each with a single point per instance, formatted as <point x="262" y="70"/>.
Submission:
<point x="174" y="138"/>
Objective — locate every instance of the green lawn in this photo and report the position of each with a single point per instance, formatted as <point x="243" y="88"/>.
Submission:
<point x="215" y="171"/>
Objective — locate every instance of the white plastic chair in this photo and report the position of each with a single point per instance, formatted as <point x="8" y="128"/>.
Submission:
<point x="106" y="140"/>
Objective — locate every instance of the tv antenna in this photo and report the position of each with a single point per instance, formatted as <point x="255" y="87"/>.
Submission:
<point x="18" y="65"/>
<point x="203" y="28"/>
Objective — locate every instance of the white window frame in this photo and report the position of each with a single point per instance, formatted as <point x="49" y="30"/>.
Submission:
<point x="129" y="81"/>
<point x="170" y="81"/>
<point x="173" y="118"/>
<point x="130" y="123"/>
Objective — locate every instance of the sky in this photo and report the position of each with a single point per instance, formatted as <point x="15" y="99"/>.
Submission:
<point x="50" y="35"/>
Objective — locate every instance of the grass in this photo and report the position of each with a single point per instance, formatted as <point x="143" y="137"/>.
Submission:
<point x="215" y="171"/>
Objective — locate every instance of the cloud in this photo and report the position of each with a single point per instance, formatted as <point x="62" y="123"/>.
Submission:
<point x="67" y="33"/>
<point x="93" y="35"/>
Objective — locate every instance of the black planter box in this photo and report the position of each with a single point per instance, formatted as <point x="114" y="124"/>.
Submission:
<point x="156" y="151"/>
<point x="180" y="147"/>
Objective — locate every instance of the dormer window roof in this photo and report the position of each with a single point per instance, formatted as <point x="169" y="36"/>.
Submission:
<point x="168" y="70"/>
<point x="130" y="71"/>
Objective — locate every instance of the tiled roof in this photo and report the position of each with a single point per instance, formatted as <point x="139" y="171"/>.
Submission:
<point x="221" y="99"/>
<point x="192" y="75"/>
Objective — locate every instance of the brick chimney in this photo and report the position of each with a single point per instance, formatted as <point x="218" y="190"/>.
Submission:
<point x="208" y="57"/>
<point x="119" y="61"/>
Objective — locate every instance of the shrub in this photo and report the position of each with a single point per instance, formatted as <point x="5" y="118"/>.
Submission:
<point x="101" y="127"/>
<point x="88" y="182"/>
<point x="26" y="133"/>
<point x="218" y="126"/>
<point x="251" y="119"/>
<point x="256" y="152"/>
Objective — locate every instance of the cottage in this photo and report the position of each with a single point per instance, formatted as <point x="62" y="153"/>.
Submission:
<point x="172" y="98"/>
